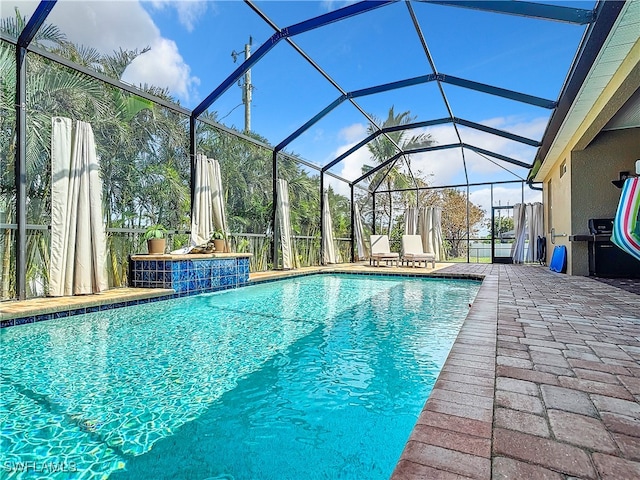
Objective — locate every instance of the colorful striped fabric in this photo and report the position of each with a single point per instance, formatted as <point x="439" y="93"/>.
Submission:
<point x="626" y="226"/>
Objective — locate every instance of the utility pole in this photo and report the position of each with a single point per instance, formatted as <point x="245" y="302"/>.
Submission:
<point x="246" y="86"/>
<point x="246" y="92"/>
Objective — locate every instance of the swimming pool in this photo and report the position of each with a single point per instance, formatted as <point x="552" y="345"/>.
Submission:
<point x="320" y="376"/>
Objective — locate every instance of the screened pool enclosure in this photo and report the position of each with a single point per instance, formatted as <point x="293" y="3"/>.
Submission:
<point x="365" y="109"/>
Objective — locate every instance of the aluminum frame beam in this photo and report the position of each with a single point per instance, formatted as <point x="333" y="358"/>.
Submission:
<point x="498" y="132"/>
<point x="26" y="36"/>
<point x="458" y="185"/>
<point x="449" y="146"/>
<point x="391" y="163"/>
<point x="323" y="73"/>
<point x="377" y="133"/>
<point x="65" y="62"/>
<point x="499" y="156"/>
<point x="385" y="87"/>
<point x="20" y="168"/>
<point x="497" y="91"/>
<point x="377" y="168"/>
<point x="354" y="94"/>
<point x="432" y="64"/>
<point x="35" y="22"/>
<point x="524" y="9"/>
<point x="456" y="120"/>
<point x="499" y="165"/>
<point x="316" y="118"/>
<point x="296" y="29"/>
<point x="334" y="16"/>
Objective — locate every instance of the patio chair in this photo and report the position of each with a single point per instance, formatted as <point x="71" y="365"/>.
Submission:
<point x="412" y="251"/>
<point x="380" y="250"/>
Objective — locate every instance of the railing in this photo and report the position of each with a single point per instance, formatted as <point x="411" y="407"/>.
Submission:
<point x="479" y="249"/>
<point x="122" y="242"/>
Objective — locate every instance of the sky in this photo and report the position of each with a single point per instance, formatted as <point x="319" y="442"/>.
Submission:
<point x="191" y="52"/>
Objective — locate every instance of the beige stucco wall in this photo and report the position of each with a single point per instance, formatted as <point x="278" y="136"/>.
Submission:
<point x="557" y="208"/>
<point x="593" y="157"/>
<point x="585" y="191"/>
<point x="593" y="194"/>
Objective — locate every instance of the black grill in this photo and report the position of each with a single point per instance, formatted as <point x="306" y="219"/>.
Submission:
<point x="600" y="226"/>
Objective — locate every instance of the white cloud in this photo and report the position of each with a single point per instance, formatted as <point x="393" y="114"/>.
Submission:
<point x="338" y="186"/>
<point x="532" y="129"/>
<point x="442" y="166"/>
<point x="349" y="168"/>
<point x="105" y="26"/>
<point x="109" y="26"/>
<point x="163" y="66"/>
<point x="353" y="133"/>
<point x="330" y="5"/>
<point x="318" y="135"/>
<point x="189" y="11"/>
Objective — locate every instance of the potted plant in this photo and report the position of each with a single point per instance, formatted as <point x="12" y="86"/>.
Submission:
<point x="218" y="240"/>
<point x="155" y="237"/>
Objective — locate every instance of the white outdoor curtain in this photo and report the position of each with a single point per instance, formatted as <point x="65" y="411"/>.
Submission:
<point x="529" y="253"/>
<point x="430" y="229"/>
<point x="424" y="229"/>
<point x="78" y="240"/>
<point x="519" y="223"/>
<point x="362" y="252"/>
<point x="410" y="221"/>
<point x="329" y="249"/>
<point x="284" y="222"/>
<point x="438" y="243"/>
<point x="208" y="202"/>
<point x="536" y="229"/>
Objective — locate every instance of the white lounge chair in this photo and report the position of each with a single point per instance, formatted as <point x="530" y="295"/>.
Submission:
<point x="380" y="250"/>
<point x="412" y="251"/>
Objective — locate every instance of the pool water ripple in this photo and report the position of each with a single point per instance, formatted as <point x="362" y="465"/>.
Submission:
<point x="259" y="382"/>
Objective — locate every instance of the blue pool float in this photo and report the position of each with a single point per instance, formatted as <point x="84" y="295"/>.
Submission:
<point x="559" y="259"/>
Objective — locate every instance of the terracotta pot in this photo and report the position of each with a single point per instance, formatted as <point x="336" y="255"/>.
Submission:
<point x="219" y="245"/>
<point x="156" y="246"/>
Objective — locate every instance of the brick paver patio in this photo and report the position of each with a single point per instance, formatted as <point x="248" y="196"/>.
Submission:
<point x="543" y="382"/>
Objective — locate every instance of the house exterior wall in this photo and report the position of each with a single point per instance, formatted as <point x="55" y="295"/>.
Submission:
<point x="593" y="194"/>
<point x="557" y="210"/>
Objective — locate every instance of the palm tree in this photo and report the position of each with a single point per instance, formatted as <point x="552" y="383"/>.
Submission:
<point x="382" y="149"/>
<point x="143" y="147"/>
<point x="47" y="91"/>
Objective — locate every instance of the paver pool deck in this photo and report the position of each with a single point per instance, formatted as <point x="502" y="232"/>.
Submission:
<point x="543" y="382"/>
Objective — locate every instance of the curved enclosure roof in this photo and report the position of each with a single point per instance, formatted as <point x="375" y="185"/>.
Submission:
<point x="481" y="79"/>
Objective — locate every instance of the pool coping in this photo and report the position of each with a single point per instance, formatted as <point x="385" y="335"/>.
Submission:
<point x="16" y="313"/>
<point x="50" y="308"/>
<point x="455" y="425"/>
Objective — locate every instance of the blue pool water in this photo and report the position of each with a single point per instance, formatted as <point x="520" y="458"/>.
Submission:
<point x="320" y="376"/>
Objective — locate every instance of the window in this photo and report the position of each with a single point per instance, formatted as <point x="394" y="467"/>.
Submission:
<point x="563" y="168"/>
